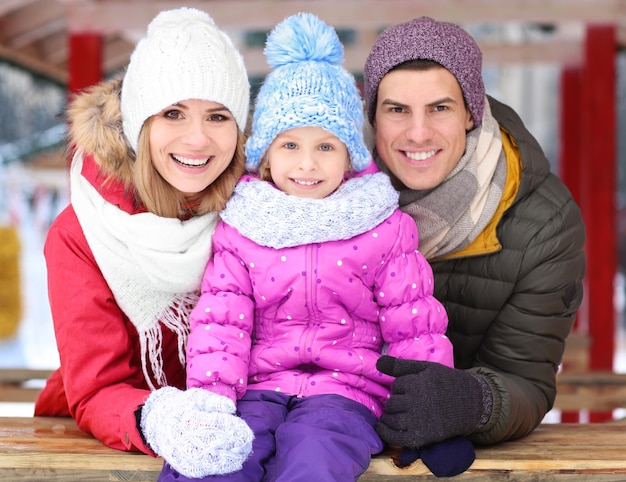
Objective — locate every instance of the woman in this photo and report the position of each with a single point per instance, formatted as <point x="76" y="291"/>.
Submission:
<point x="157" y="155"/>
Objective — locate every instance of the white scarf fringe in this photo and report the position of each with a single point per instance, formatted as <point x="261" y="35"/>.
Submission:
<point x="153" y="265"/>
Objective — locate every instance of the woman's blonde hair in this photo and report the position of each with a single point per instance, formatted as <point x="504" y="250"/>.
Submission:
<point x="161" y="198"/>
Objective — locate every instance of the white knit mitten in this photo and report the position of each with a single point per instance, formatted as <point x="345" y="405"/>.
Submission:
<point x="196" y="431"/>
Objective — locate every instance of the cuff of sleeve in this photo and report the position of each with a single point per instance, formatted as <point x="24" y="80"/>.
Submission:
<point x="492" y="405"/>
<point x="223" y="389"/>
<point x="487" y="402"/>
<point x="134" y="439"/>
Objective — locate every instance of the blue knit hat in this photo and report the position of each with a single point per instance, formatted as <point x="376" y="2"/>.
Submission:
<point x="308" y="87"/>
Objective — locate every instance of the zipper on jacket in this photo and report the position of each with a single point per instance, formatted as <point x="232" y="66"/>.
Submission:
<point x="312" y="252"/>
<point x="311" y="262"/>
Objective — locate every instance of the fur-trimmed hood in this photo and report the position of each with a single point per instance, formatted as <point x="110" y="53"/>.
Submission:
<point x="95" y="129"/>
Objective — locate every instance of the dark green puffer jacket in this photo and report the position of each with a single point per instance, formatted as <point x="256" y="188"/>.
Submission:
<point x="510" y="311"/>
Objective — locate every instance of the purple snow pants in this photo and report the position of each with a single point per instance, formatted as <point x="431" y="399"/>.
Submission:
<point x="322" y="438"/>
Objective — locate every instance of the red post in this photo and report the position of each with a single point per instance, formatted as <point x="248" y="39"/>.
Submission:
<point x="570" y="168"/>
<point x="570" y="140"/>
<point x="598" y="188"/>
<point x="84" y="63"/>
<point x="85" y="60"/>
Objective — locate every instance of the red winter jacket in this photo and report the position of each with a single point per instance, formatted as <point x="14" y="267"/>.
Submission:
<point x="100" y="382"/>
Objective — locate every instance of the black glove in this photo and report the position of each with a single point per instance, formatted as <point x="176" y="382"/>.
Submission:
<point x="444" y="459"/>
<point x="429" y="403"/>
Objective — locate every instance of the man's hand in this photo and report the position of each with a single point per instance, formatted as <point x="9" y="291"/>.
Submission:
<point x="429" y="403"/>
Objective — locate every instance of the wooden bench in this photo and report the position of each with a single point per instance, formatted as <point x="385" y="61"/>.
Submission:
<point x="53" y="449"/>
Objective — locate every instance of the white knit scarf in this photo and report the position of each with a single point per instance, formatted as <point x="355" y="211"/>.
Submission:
<point x="453" y="214"/>
<point x="270" y="217"/>
<point x="153" y="265"/>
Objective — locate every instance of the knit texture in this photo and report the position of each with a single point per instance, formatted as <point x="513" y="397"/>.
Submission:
<point x="152" y="264"/>
<point x="424" y="38"/>
<point x="443" y="402"/>
<point x="183" y="56"/>
<point x="308" y="87"/>
<point x="196" y="431"/>
<point x="282" y="221"/>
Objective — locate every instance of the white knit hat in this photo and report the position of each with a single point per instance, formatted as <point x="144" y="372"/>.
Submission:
<point x="183" y="56"/>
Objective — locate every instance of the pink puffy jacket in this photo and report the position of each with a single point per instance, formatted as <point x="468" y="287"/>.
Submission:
<point x="314" y="319"/>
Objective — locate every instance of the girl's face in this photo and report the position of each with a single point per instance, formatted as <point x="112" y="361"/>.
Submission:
<point x="307" y="162"/>
<point x="191" y="143"/>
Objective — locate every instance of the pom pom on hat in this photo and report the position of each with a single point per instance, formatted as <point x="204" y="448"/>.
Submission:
<point x="424" y="38"/>
<point x="308" y="87"/>
<point x="184" y="55"/>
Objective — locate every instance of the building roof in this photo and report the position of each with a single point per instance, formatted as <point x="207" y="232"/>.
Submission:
<point x="34" y="33"/>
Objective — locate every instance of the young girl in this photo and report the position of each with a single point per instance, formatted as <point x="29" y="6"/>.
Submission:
<point x="156" y="157"/>
<point x="315" y="272"/>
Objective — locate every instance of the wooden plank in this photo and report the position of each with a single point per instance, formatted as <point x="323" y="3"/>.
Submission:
<point x="13" y="384"/>
<point x="596" y="391"/>
<point x="15" y="375"/>
<point x="18" y="394"/>
<point x="264" y="15"/>
<point x="551" y="452"/>
<point x="37" y="474"/>
<point x="56" y="443"/>
<point x="43" y="448"/>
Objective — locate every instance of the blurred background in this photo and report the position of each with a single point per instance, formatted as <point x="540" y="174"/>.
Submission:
<point x="52" y="48"/>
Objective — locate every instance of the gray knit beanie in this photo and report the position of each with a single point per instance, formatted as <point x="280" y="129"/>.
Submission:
<point x="424" y="38"/>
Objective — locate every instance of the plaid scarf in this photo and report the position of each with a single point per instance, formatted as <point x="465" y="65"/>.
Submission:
<point x="450" y="216"/>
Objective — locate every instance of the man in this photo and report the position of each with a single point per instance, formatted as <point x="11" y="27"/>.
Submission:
<point x="503" y="234"/>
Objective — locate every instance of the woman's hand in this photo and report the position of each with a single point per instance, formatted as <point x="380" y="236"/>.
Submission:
<point x="196" y="431"/>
